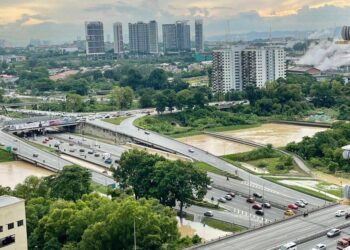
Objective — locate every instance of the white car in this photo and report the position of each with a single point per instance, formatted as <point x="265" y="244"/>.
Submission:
<point x="304" y="201"/>
<point x="300" y="203"/>
<point x="222" y="199"/>
<point x="320" y="247"/>
<point x="340" y="213"/>
<point x="190" y="150"/>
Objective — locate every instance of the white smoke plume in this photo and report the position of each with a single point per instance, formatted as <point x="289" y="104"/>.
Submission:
<point x="327" y="55"/>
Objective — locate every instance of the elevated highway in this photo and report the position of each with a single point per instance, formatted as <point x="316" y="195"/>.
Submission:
<point x="272" y="190"/>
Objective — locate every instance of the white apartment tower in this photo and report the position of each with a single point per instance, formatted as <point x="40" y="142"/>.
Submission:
<point x="13" y="228"/>
<point x="118" y="38"/>
<point x="235" y="68"/>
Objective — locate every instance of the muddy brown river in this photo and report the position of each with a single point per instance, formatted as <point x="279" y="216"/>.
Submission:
<point x="14" y="172"/>
<point x="276" y="134"/>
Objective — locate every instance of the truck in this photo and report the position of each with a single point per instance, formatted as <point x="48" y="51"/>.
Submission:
<point x="106" y="156"/>
<point x="343" y="243"/>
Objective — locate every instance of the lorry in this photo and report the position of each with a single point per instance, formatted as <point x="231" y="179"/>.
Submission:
<point x="106" y="156"/>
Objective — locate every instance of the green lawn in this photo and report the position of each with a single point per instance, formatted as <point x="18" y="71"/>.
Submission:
<point x="222" y="225"/>
<point x="115" y="120"/>
<point x="51" y="150"/>
<point x="212" y="169"/>
<point x="5" y="156"/>
<point x="206" y="204"/>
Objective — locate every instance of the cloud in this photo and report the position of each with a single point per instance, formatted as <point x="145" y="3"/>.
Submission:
<point x="243" y="15"/>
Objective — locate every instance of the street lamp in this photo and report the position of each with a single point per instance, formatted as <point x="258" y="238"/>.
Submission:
<point x="135" y="232"/>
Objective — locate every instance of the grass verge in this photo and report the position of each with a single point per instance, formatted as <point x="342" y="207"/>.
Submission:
<point x="116" y="120"/>
<point x="43" y="148"/>
<point x="222" y="225"/>
<point x="6" y="156"/>
<point x="302" y="190"/>
<point x="209" y="168"/>
<point x="206" y="204"/>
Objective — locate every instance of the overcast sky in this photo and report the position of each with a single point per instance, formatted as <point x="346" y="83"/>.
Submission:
<point x="63" y="20"/>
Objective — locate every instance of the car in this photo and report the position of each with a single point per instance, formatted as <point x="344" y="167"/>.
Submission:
<point x="319" y="246"/>
<point x="56" y="145"/>
<point x="347" y="215"/>
<point x="72" y="150"/>
<point x="232" y="194"/>
<point x="35" y="155"/>
<point x="259" y="212"/>
<point x="304" y="201"/>
<point x="299" y="203"/>
<point x="289" y="212"/>
<point x="50" y="138"/>
<point x="228" y="197"/>
<point x="190" y="150"/>
<point x="147" y="133"/>
<point x="208" y="214"/>
<point x="116" y="161"/>
<point x="250" y="199"/>
<point x="257" y="195"/>
<point x="333" y="232"/>
<point x="71" y="144"/>
<point x="97" y="155"/>
<point x="108" y="161"/>
<point x="81" y="150"/>
<point x="221" y="199"/>
<point x="14" y="149"/>
<point x="44" y="141"/>
<point x="90" y="152"/>
<point x="289" y="246"/>
<point x="292" y="206"/>
<point x="266" y="205"/>
<point x="70" y="138"/>
<point x="209" y="187"/>
<point x="257" y="206"/>
<point x="340" y="213"/>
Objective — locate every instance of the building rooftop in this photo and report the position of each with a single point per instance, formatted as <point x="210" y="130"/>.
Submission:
<point x="6" y="200"/>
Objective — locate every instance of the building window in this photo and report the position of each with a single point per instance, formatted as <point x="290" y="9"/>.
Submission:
<point x="19" y="223"/>
<point x="1" y="229"/>
<point x="10" y="226"/>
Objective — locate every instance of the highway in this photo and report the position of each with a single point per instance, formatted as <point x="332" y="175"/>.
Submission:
<point x="331" y="243"/>
<point x="55" y="162"/>
<point x="275" y="235"/>
<point x="273" y="191"/>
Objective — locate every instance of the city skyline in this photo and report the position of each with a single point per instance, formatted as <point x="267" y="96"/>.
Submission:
<point x="20" y="21"/>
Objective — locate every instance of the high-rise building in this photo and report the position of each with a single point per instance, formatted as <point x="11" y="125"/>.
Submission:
<point x="169" y="38"/>
<point x="153" y="37"/>
<point x="177" y="37"/>
<point x="13" y="232"/>
<point x="94" y="38"/>
<point x="183" y="36"/>
<point x="199" y="40"/>
<point x="235" y="68"/>
<point x="118" y="38"/>
<point x="143" y="37"/>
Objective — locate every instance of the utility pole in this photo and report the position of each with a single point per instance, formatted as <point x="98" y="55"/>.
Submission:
<point x="134" y="234"/>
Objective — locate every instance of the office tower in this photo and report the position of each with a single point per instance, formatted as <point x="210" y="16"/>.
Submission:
<point x="169" y="38"/>
<point x="118" y="38"/>
<point x="235" y="68"/>
<point x="183" y="36"/>
<point x="94" y="38"/>
<point x="13" y="232"/>
<point x="143" y="37"/>
<point x="153" y="37"/>
<point x="199" y="40"/>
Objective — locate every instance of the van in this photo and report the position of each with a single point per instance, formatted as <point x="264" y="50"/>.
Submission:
<point x="289" y="246"/>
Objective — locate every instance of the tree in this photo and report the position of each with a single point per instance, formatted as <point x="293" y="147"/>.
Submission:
<point x="70" y="183"/>
<point x="170" y="99"/>
<point x="179" y="181"/>
<point x="121" y="97"/>
<point x="146" y="99"/>
<point x="74" y="102"/>
<point x="136" y="169"/>
<point x="161" y="102"/>
<point x="158" y="79"/>
<point x="133" y="79"/>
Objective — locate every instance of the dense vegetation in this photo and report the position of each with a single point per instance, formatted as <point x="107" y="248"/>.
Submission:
<point x="323" y="150"/>
<point x="194" y="121"/>
<point x="275" y="162"/>
<point x="5" y="156"/>
<point x="62" y="213"/>
<point x="152" y="176"/>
